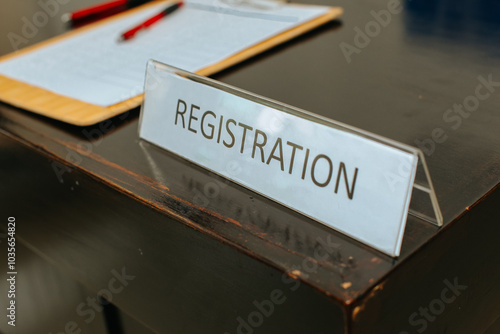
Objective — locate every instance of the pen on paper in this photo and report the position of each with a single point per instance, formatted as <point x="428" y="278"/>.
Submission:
<point x="132" y="32"/>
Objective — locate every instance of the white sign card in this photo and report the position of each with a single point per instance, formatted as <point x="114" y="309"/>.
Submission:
<point x="333" y="173"/>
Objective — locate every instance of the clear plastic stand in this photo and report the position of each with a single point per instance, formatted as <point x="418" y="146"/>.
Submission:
<point x="424" y="203"/>
<point x="359" y="183"/>
<point x="423" y="200"/>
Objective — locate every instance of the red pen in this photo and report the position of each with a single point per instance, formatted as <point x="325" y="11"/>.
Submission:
<point x="102" y="10"/>
<point x="131" y="33"/>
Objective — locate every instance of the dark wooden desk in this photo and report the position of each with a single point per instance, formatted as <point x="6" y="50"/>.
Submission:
<point x="179" y="250"/>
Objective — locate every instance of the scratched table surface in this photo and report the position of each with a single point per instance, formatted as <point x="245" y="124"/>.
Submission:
<point x="422" y="73"/>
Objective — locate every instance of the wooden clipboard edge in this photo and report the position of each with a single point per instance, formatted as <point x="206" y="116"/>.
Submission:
<point x="17" y="93"/>
<point x="333" y="13"/>
<point x="80" y="113"/>
<point x="59" y="107"/>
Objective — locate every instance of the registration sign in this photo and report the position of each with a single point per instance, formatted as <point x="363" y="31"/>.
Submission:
<point x="333" y="173"/>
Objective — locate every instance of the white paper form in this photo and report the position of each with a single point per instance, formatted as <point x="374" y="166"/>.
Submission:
<point x="96" y="68"/>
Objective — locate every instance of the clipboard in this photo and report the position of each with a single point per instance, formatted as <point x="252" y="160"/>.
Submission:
<point x="73" y="111"/>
